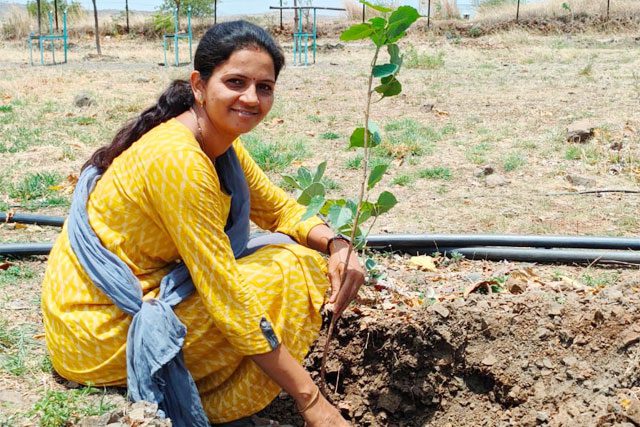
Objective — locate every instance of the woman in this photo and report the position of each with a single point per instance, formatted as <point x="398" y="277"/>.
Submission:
<point x="174" y="192"/>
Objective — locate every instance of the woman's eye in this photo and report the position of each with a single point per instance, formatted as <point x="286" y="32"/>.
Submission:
<point x="235" y="82"/>
<point x="266" y="88"/>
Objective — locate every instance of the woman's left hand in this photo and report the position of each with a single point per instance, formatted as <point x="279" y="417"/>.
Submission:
<point x="343" y="293"/>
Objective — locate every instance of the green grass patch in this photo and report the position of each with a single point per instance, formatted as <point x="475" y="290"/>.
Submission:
<point x="437" y="172"/>
<point x="6" y="108"/>
<point x="355" y="162"/>
<point x="587" y="154"/>
<point x="16" y="347"/>
<point x="407" y="137"/>
<point x="513" y="161"/>
<point x="19" y="139"/>
<point x="599" y="280"/>
<point x="329" y="135"/>
<point x="478" y="153"/>
<point x="313" y="119"/>
<point x="275" y="157"/>
<point x="83" y="121"/>
<point x="14" y="275"/>
<point x="423" y="61"/>
<point x="402" y="180"/>
<point x="58" y="408"/>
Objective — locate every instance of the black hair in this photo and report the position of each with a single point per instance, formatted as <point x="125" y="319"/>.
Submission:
<point x="215" y="48"/>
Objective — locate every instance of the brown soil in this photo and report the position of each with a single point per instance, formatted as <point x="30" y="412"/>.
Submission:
<point x="544" y="357"/>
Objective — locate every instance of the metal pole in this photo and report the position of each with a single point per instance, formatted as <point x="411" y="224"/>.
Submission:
<point x="608" y="4"/>
<point x="97" y="28"/>
<point x="518" y="12"/>
<point x="364" y="7"/>
<point x="215" y="12"/>
<point x="126" y="8"/>
<point x="428" y="13"/>
<point x="39" y="19"/>
<point x="281" y="25"/>
<point x="55" y="11"/>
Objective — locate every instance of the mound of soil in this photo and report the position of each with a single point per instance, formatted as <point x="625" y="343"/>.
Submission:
<point x="543" y="357"/>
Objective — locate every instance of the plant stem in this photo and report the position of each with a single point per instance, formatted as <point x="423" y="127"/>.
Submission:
<point x="354" y="228"/>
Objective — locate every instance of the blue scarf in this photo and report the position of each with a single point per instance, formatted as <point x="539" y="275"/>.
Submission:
<point x="155" y="364"/>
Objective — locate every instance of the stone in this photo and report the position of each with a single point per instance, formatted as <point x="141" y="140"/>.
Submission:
<point x="555" y="309"/>
<point x="569" y="361"/>
<point x="580" y="131"/>
<point x="484" y="171"/>
<point x="546" y="362"/>
<point x="390" y="401"/>
<point x="542" y="333"/>
<point x="496" y="180"/>
<point x="83" y="100"/>
<point x="580" y="181"/>
<point x="440" y="309"/>
<point x="629" y="337"/>
<point x="489" y="360"/>
<point x="95" y="421"/>
<point x="633" y="412"/>
<point x="542" y="417"/>
<point x="427" y="107"/>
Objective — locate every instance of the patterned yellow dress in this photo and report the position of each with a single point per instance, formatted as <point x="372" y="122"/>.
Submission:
<point x="161" y="202"/>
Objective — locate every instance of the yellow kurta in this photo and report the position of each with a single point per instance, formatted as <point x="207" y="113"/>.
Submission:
<point x="160" y="202"/>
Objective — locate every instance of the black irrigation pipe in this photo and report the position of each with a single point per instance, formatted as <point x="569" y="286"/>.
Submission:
<point x="529" y="248"/>
<point x="23" y="218"/>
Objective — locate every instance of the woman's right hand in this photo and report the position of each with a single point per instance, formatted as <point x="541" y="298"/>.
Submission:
<point x="324" y="414"/>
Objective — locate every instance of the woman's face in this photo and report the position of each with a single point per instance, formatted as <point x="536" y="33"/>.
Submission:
<point x="240" y="92"/>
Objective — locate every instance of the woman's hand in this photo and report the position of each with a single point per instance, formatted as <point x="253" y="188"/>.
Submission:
<point x="323" y="414"/>
<point x="343" y="293"/>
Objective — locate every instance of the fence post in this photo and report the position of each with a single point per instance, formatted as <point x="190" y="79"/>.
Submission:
<point x="608" y="4"/>
<point x="428" y="14"/>
<point x="518" y="12"/>
<point x="363" y="11"/>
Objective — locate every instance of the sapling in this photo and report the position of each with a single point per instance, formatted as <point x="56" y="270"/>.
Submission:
<point x="348" y="215"/>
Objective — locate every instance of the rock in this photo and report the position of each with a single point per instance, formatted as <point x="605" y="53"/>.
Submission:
<point x="484" y="171"/>
<point x="489" y="360"/>
<point x="555" y="309"/>
<point x="580" y="131"/>
<point x="569" y="361"/>
<point x="10" y="396"/>
<point x="633" y="412"/>
<point x="542" y="333"/>
<point x="95" y="421"/>
<point x="629" y="337"/>
<point x="598" y="317"/>
<point x="427" y="107"/>
<point x="440" y="309"/>
<point x="389" y="400"/>
<point x="496" y="180"/>
<point x="83" y="100"/>
<point x="542" y="417"/>
<point x="546" y="362"/>
<point x="143" y="80"/>
<point x="581" y="181"/>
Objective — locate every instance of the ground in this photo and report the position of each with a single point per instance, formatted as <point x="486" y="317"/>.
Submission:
<point x="553" y="344"/>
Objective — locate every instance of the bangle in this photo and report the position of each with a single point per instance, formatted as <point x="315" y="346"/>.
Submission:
<point x="334" y="238"/>
<point x="314" y="399"/>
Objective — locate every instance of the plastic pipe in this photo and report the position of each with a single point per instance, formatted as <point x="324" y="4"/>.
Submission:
<point x="411" y="241"/>
<point x="23" y="218"/>
<point x="25" y="249"/>
<point x="559" y="256"/>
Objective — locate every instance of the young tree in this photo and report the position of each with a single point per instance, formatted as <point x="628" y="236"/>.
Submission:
<point x="199" y="8"/>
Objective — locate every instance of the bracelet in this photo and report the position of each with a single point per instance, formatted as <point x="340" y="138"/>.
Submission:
<point x="334" y="238"/>
<point x="314" y="399"/>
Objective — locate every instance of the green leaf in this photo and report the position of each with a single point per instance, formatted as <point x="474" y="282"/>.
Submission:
<point x="291" y="181"/>
<point x="356" y="32"/>
<point x="370" y="264"/>
<point x="379" y="37"/>
<point x="400" y="20"/>
<point x="384" y="70"/>
<point x="390" y="87"/>
<point x="357" y="137"/>
<point x="339" y="216"/>
<point x="385" y="202"/>
<point x="366" y="210"/>
<point x="377" y="7"/>
<point x="376" y="175"/>
<point x="330" y="203"/>
<point x="320" y="171"/>
<point x="394" y="55"/>
<point x="378" y="23"/>
<point x="314" y="207"/>
<point x="304" y="177"/>
<point x="315" y="189"/>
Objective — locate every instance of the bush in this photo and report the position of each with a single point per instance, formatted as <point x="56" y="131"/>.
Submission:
<point x="16" y="23"/>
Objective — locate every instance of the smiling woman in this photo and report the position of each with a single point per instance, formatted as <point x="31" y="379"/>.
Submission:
<point x="155" y="282"/>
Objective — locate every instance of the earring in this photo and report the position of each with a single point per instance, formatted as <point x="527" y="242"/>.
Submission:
<point x="200" y="101"/>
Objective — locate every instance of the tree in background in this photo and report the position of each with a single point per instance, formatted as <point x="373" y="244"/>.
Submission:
<point x="73" y="8"/>
<point x="97" y="28"/>
<point x="199" y="8"/>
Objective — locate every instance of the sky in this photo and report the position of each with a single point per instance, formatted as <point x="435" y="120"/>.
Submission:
<point x="225" y="7"/>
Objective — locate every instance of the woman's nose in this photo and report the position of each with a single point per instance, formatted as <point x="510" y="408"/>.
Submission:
<point x="250" y="96"/>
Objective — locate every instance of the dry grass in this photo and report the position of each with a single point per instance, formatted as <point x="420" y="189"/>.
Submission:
<point x="445" y="9"/>
<point x="16" y="23"/>
<point x="553" y="9"/>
